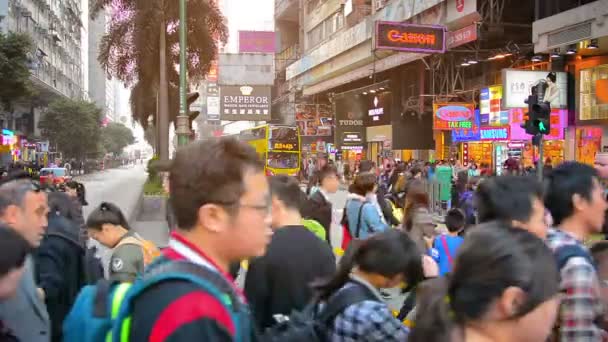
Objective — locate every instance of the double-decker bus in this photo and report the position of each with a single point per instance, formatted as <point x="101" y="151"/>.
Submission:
<point x="278" y="146"/>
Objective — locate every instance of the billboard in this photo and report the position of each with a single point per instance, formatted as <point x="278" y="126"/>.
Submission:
<point x="450" y="116"/>
<point x="314" y="120"/>
<point x="257" y="42"/>
<point x="490" y="107"/>
<point x="245" y="103"/>
<point x="559" y="121"/>
<point x="409" y="37"/>
<point x="517" y="86"/>
<point x="350" y="127"/>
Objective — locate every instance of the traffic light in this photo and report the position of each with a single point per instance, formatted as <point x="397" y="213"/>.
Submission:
<point x="541" y="118"/>
<point x="190" y="99"/>
<point x="528" y="117"/>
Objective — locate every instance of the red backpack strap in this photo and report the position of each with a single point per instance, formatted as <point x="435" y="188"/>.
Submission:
<point x="444" y="242"/>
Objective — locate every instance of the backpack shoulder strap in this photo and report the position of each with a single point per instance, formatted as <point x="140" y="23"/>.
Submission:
<point x="358" y="230"/>
<point x="205" y="278"/>
<point x="564" y="253"/>
<point x="343" y="299"/>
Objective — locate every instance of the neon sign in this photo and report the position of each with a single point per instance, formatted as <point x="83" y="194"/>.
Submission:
<point x="494" y="133"/>
<point x="396" y="36"/>
<point x="409" y="37"/>
<point x="450" y="116"/>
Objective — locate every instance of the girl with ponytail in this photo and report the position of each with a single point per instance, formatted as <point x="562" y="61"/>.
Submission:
<point x="504" y="287"/>
<point x="384" y="260"/>
<point x="108" y="225"/>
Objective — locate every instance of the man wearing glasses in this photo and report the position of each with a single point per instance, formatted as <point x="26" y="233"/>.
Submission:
<point x="24" y="208"/>
<point x="221" y="201"/>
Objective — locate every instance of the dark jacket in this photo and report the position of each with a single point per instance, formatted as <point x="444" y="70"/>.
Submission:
<point x="386" y="208"/>
<point x="279" y="282"/>
<point x="60" y="265"/>
<point x="320" y="211"/>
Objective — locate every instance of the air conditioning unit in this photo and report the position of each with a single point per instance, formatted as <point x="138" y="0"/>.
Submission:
<point x="26" y="13"/>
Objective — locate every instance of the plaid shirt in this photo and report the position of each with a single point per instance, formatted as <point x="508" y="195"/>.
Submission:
<point x="581" y="306"/>
<point x="368" y="321"/>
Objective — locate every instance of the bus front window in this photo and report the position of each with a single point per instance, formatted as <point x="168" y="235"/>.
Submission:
<point x="283" y="160"/>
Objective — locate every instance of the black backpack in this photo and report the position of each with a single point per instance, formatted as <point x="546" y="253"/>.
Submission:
<point x="311" y="325"/>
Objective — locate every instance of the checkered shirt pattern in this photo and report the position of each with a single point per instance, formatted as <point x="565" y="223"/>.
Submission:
<point x="581" y="304"/>
<point x="368" y="321"/>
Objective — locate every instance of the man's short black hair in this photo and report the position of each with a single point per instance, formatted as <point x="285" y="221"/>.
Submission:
<point x="454" y="220"/>
<point x="327" y="171"/>
<point x="563" y="183"/>
<point x="287" y="190"/>
<point x="507" y="198"/>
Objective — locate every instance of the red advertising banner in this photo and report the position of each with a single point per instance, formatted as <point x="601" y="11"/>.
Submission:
<point x="460" y="37"/>
<point x="257" y="41"/>
<point x="450" y="116"/>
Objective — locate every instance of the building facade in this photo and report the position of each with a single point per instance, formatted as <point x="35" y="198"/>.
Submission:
<point x="575" y="35"/>
<point x="102" y="90"/>
<point x="57" y="64"/>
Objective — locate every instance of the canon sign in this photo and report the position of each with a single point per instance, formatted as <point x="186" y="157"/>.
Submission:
<point x="350" y="122"/>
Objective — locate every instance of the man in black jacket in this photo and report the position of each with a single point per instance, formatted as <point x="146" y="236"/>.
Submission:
<point x="279" y="282"/>
<point x="320" y="206"/>
<point x="61" y="260"/>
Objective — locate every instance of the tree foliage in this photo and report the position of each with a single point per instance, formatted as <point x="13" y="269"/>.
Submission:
<point x="14" y="68"/>
<point x="115" y="137"/>
<point x="73" y="126"/>
<point x="130" y="50"/>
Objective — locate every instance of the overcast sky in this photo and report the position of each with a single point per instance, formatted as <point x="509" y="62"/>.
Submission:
<point x="243" y="15"/>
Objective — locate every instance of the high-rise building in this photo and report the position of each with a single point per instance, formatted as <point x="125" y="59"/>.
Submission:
<point x="55" y="27"/>
<point x="102" y="90"/>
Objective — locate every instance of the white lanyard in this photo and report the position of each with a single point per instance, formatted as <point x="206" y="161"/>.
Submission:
<point x="191" y="255"/>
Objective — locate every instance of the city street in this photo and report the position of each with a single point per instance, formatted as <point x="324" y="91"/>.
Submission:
<point x="120" y="186"/>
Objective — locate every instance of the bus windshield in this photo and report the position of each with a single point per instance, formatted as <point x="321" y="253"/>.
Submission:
<point x="283" y="139"/>
<point x="283" y="160"/>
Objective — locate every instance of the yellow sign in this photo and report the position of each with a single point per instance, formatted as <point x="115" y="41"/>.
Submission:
<point x="5" y="149"/>
<point x="496" y="92"/>
<point x="284" y="146"/>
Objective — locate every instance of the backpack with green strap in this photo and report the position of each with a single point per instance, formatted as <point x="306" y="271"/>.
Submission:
<point x="102" y="312"/>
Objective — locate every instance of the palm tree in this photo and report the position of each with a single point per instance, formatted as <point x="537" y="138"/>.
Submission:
<point x="141" y="49"/>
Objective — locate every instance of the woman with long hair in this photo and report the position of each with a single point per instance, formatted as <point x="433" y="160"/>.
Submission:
<point x="384" y="260"/>
<point x="417" y="219"/>
<point x="504" y="287"/>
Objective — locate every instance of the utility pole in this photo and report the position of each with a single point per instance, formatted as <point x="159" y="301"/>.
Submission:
<point x="182" y="126"/>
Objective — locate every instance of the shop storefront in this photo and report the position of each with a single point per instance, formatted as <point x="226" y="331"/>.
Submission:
<point x="454" y="123"/>
<point x="9" y="150"/>
<point x="592" y="103"/>
<point x="588" y="143"/>
<point x="377" y="121"/>
<point x="350" y="135"/>
<point x="553" y="143"/>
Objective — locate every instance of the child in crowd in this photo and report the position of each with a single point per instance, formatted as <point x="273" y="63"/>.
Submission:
<point x="445" y="246"/>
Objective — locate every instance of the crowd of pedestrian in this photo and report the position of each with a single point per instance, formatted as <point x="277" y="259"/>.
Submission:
<point x="509" y="262"/>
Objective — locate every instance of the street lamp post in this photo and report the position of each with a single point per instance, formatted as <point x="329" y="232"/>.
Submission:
<point x="182" y="127"/>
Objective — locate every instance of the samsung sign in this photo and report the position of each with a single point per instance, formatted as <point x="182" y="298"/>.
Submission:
<point x="494" y="133"/>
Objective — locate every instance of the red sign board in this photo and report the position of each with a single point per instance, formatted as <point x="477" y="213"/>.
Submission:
<point x="257" y="41"/>
<point x="408" y="37"/>
<point x="450" y="116"/>
<point x="460" y="37"/>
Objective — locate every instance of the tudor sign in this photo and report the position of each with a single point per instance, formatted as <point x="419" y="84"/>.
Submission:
<point x="408" y="37"/>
